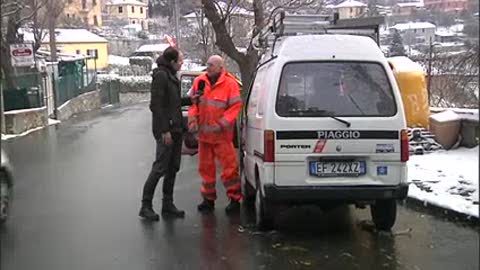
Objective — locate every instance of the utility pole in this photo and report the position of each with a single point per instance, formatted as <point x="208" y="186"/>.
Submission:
<point x="176" y="19"/>
<point x="429" y="79"/>
<point x="52" y="20"/>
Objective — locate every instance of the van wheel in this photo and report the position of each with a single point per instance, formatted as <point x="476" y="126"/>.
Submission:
<point x="248" y="193"/>
<point x="263" y="213"/>
<point x="4" y="198"/>
<point x="384" y="213"/>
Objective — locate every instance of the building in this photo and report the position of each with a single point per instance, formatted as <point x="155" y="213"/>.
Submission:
<point x="78" y="42"/>
<point x="128" y="11"/>
<point x="452" y="34"/>
<point x="350" y="9"/>
<point x="89" y="11"/>
<point x="407" y="9"/>
<point x="415" y="32"/>
<point x="446" y="5"/>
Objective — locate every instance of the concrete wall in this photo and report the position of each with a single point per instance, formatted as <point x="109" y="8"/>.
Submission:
<point x="134" y="98"/>
<point x="83" y="103"/>
<point x="19" y="121"/>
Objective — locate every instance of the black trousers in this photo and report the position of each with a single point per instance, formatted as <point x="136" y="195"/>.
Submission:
<point x="166" y="164"/>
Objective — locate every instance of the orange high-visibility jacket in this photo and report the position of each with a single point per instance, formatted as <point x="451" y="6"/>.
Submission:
<point x="217" y="109"/>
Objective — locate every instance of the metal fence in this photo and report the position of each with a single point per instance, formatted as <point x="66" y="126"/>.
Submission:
<point x="24" y="91"/>
<point x="71" y="85"/>
<point x="35" y="89"/>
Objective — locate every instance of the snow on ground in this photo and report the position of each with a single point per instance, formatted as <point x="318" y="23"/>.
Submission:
<point x="447" y="179"/>
<point x="118" y="60"/>
<point x="51" y="122"/>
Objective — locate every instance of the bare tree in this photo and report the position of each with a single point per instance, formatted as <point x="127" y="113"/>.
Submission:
<point x="263" y="11"/>
<point x="14" y="13"/>
<point x="454" y="81"/>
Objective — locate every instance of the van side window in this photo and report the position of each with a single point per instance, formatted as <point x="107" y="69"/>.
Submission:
<point x="335" y="89"/>
<point x="255" y="92"/>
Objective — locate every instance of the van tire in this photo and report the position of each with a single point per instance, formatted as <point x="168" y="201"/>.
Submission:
<point x="263" y="213"/>
<point x="384" y="213"/>
<point x="248" y="193"/>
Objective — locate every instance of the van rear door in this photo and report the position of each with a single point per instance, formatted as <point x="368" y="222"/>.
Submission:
<point x="344" y="123"/>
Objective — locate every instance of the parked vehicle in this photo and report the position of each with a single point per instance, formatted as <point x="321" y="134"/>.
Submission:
<point x="6" y="182"/>
<point x="324" y="124"/>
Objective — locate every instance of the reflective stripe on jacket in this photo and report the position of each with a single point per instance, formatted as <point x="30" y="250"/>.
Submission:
<point x="217" y="109"/>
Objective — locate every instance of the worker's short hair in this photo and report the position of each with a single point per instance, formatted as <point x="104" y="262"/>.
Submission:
<point x="171" y="54"/>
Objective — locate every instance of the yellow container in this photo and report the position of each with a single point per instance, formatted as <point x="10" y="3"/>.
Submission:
<point x="412" y="83"/>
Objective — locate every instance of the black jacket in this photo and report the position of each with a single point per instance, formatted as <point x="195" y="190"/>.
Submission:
<point x="166" y="102"/>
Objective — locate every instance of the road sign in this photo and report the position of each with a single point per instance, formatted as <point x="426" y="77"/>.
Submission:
<point x="22" y="55"/>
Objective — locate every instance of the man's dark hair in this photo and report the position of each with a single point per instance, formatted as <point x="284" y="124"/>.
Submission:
<point x="170" y="54"/>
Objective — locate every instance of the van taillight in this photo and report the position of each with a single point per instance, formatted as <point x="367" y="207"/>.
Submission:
<point x="269" y="146"/>
<point x="405" y="155"/>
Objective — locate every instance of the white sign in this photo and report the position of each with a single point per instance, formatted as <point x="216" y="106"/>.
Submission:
<point x="22" y="55"/>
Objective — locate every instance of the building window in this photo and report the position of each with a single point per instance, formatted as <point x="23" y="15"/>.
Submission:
<point x="93" y="53"/>
<point x="133" y="9"/>
<point x="79" y="52"/>
<point x="120" y="9"/>
<point x="84" y="4"/>
<point x="351" y="10"/>
<point x="133" y="22"/>
<point x="68" y="15"/>
<point x="95" y="20"/>
<point x="94" y="2"/>
<point x="141" y="10"/>
<point x="415" y="30"/>
<point x="423" y="30"/>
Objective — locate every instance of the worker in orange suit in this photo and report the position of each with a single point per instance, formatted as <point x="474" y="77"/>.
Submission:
<point x="217" y="103"/>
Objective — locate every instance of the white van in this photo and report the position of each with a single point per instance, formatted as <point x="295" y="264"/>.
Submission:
<point x="324" y="124"/>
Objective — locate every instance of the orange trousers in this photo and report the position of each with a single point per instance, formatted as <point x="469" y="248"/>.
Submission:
<point x="227" y="156"/>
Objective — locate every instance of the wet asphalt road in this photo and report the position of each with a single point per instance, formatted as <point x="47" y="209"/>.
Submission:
<point x="77" y="196"/>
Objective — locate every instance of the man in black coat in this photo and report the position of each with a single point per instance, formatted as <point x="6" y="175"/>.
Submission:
<point x="168" y="127"/>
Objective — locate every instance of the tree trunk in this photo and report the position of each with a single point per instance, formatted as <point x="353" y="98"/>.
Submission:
<point x="6" y="62"/>
<point x="247" y="69"/>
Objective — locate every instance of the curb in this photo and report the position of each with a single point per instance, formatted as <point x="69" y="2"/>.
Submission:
<point x="440" y="212"/>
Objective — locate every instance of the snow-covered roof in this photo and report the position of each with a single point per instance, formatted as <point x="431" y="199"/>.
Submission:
<point x="411" y="4"/>
<point x="454" y="30"/>
<point x="126" y="2"/>
<point x="350" y="3"/>
<point x="136" y="27"/>
<point x="413" y="25"/>
<point x="153" y="47"/>
<point x="68" y="36"/>
<point x="77" y="36"/>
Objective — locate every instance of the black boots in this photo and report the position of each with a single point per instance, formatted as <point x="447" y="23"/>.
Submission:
<point x="206" y="206"/>
<point x="233" y="207"/>
<point x="169" y="209"/>
<point x="147" y="212"/>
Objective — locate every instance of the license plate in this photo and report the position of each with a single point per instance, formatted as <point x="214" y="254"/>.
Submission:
<point x="337" y="168"/>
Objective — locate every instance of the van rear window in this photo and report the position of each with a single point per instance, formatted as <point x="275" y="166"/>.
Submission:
<point x="349" y="89"/>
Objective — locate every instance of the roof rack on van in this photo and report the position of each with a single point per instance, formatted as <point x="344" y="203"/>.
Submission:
<point x="294" y="25"/>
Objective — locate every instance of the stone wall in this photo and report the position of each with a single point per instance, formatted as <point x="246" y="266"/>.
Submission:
<point x="83" y="103"/>
<point x="19" y="121"/>
<point x="134" y="98"/>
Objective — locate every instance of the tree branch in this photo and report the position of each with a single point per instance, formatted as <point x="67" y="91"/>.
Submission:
<point x="223" y="39"/>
